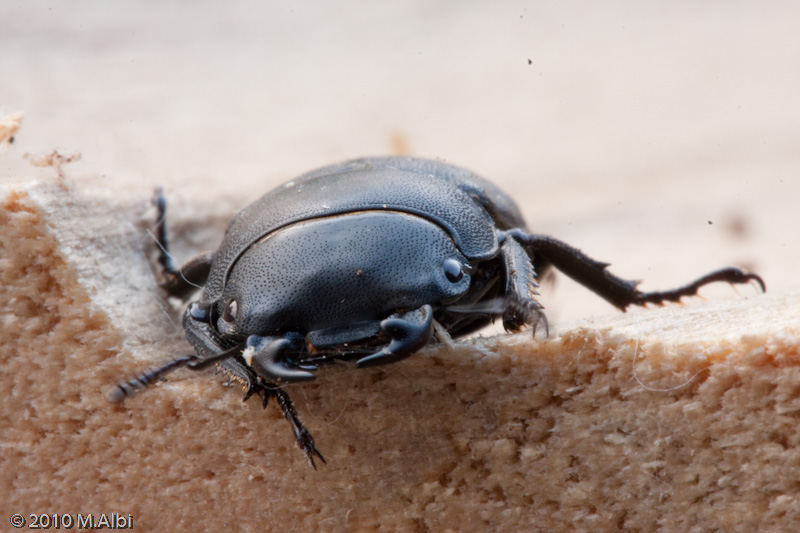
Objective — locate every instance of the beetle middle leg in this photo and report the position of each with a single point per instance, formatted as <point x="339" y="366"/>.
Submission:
<point x="621" y="293"/>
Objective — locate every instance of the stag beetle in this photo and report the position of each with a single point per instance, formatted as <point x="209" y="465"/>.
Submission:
<point x="362" y="261"/>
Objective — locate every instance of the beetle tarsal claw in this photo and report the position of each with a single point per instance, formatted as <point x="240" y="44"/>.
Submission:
<point x="264" y="398"/>
<point x="249" y="390"/>
<point x="521" y="312"/>
<point x="541" y="319"/>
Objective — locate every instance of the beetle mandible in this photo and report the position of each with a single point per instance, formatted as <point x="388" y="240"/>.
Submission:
<point x="360" y="261"/>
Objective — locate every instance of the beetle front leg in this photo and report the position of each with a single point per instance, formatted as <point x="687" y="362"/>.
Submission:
<point x="249" y="376"/>
<point x="520" y="305"/>
<point x="408" y="332"/>
<point x="302" y="436"/>
<point x="181" y="282"/>
<point x="619" y="292"/>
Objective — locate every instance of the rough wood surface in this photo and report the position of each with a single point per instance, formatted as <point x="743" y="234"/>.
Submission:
<point x="659" y="137"/>
<point x="680" y="418"/>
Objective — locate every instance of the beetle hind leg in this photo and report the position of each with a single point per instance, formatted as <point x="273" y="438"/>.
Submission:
<point x="619" y="292"/>
<point x="730" y="275"/>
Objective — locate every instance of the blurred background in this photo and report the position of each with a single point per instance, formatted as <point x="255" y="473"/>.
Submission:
<point x="662" y="137"/>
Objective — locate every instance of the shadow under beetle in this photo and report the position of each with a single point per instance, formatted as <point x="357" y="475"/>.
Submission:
<point x="359" y="261"/>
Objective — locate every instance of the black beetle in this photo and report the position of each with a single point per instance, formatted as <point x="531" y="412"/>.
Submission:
<point x="360" y="261"/>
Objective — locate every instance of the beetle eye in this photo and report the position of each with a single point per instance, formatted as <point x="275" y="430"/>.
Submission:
<point x="229" y="315"/>
<point x="453" y="269"/>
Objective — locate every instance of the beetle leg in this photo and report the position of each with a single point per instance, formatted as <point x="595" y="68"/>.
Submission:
<point x="408" y="332"/>
<point x="265" y="356"/>
<point x="301" y="435"/>
<point x="193" y="274"/>
<point x="619" y="292"/>
<point x="268" y="390"/>
<point x="521" y="306"/>
<point x="241" y="373"/>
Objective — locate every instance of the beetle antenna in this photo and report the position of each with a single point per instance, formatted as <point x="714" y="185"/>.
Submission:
<point x="145" y="380"/>
<point x="142" y="381"/>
